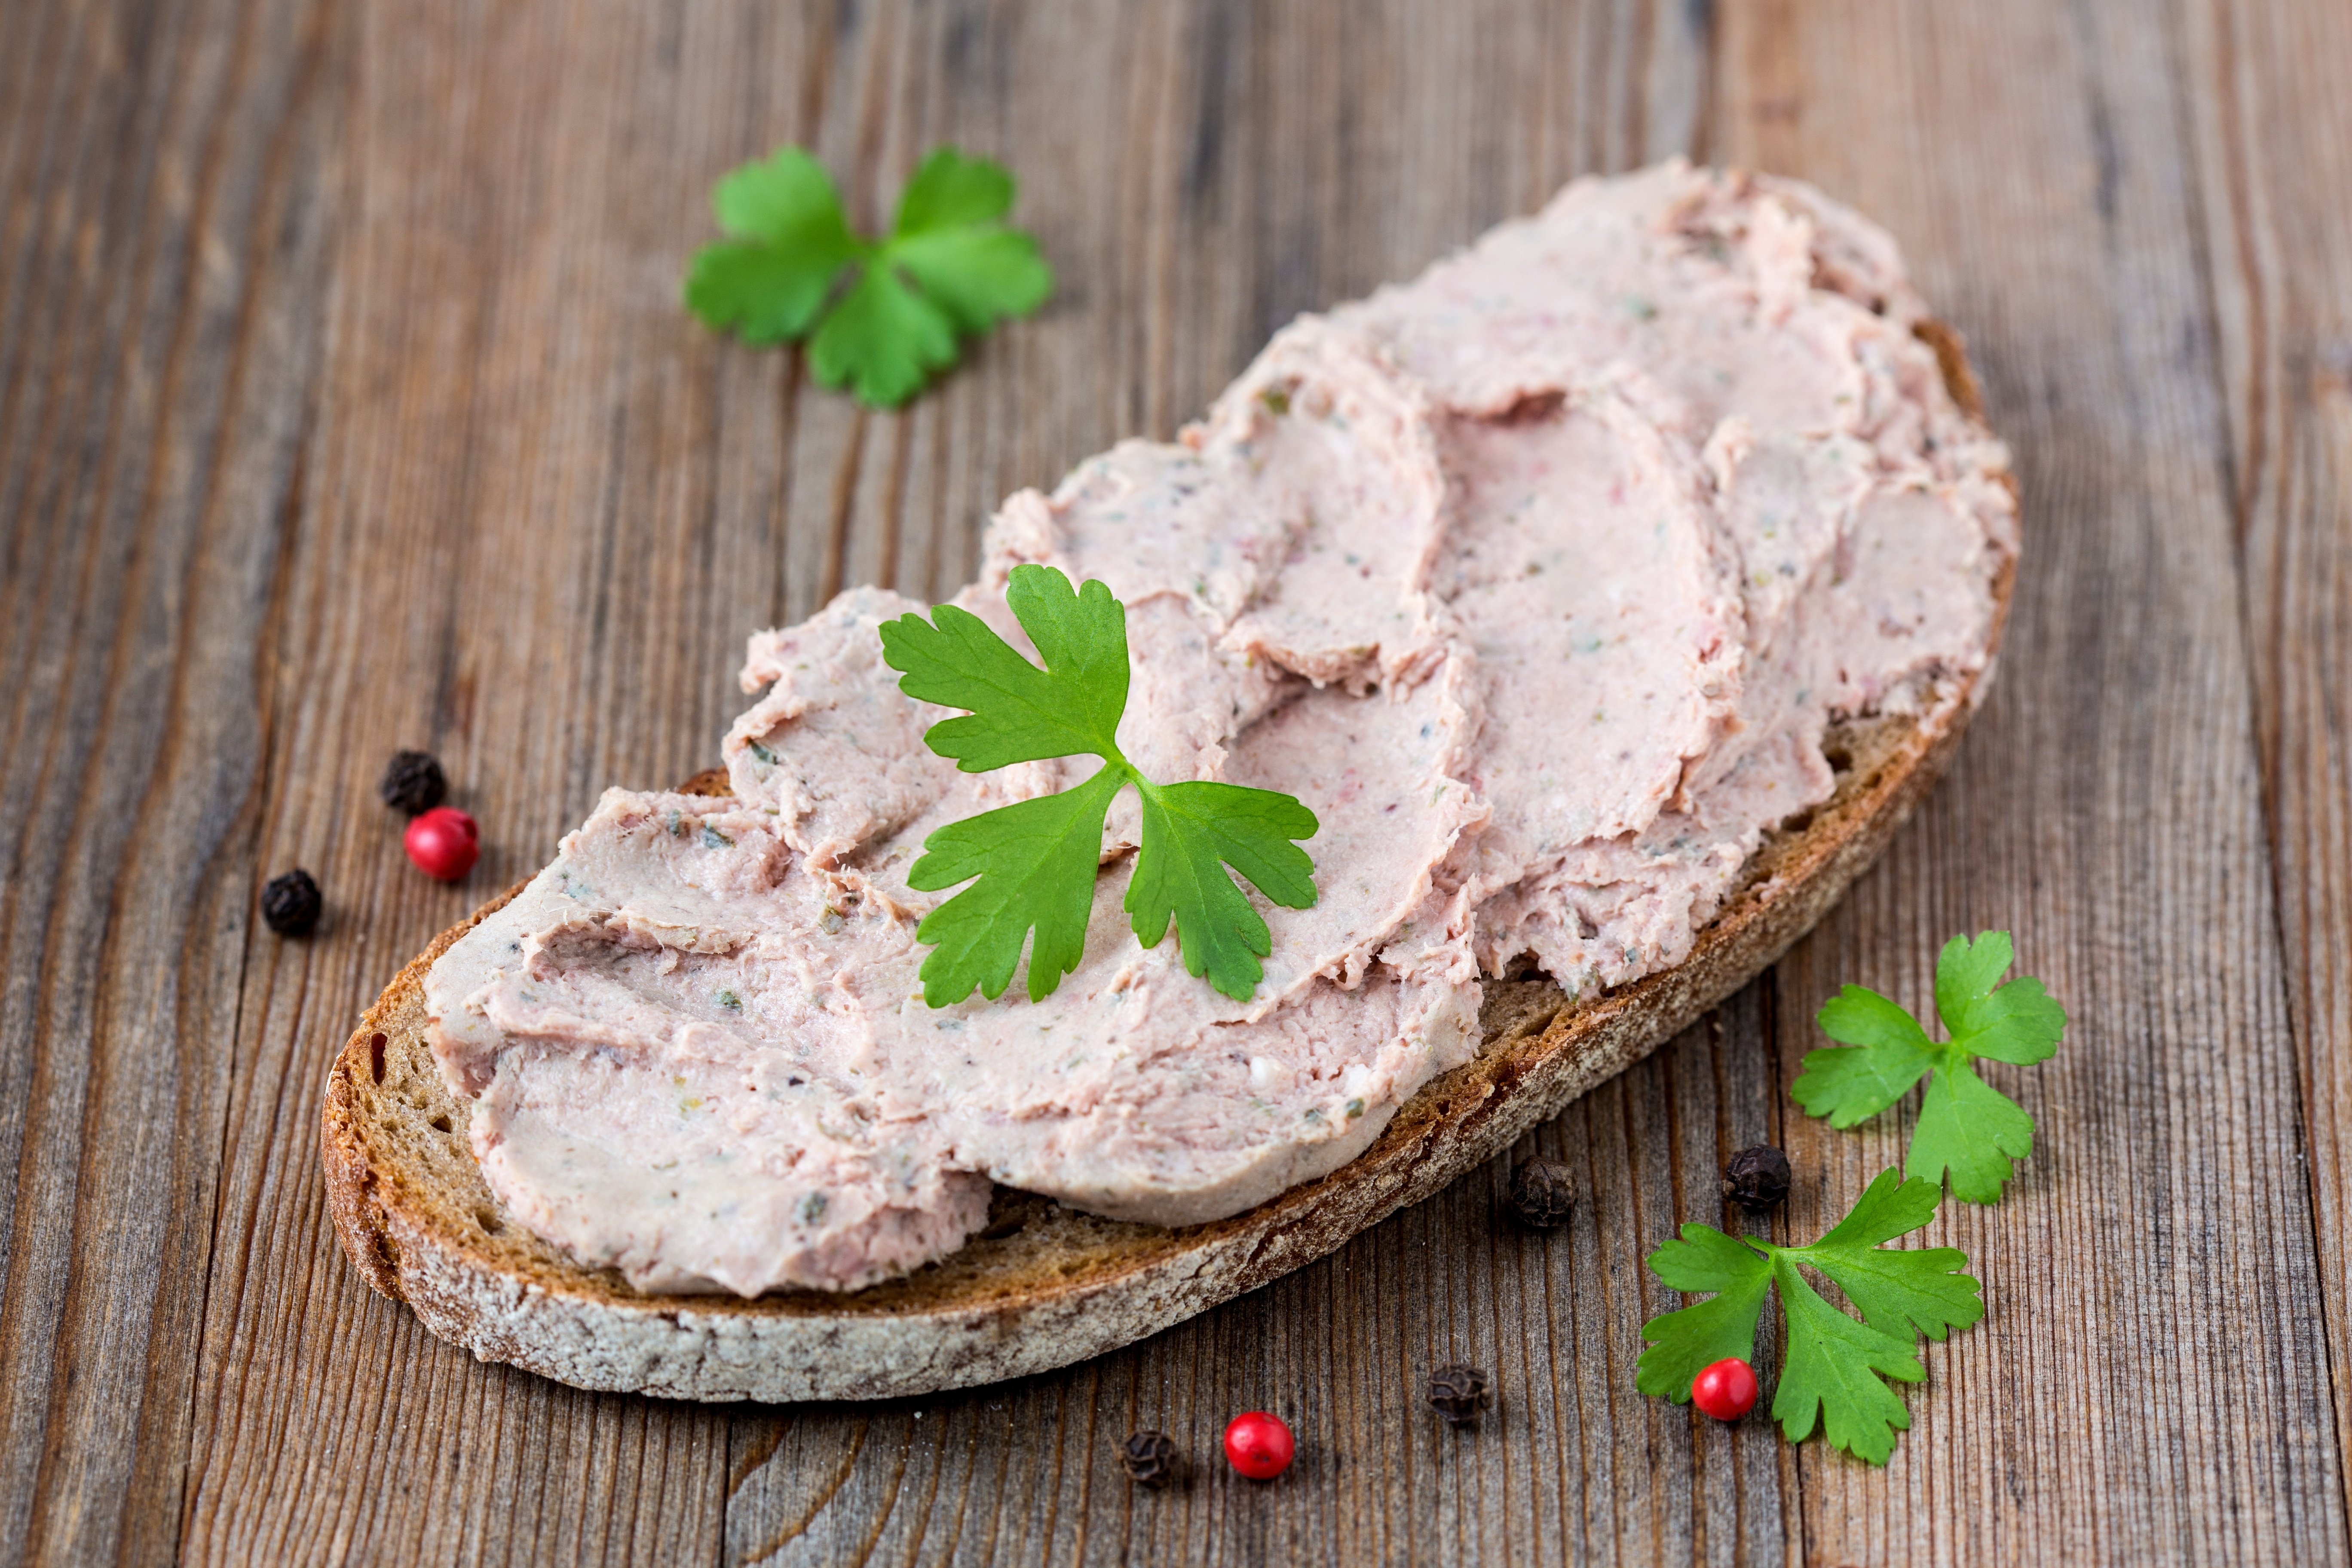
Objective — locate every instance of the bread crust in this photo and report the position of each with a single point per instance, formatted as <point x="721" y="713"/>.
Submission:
<point x="1043" y="1286"/>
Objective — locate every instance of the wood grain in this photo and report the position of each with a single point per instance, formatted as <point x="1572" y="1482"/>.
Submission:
<point x="345" y="403"/>
<point x="2271" y="132"/>
<point x="2108" y="815"/>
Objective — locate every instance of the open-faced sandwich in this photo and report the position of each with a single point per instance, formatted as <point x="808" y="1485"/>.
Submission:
<point x="1604" y="597"/>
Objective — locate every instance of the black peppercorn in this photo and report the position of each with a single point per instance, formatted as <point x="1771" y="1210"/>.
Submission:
<point x="1542" y="1191"/>
<point x="290" y="904"/>
<point x="413" y="783"/>
<point x="1757" y="1178"/>
<point x="1457" y="1393"/>
<point x="1148" y="1459"/>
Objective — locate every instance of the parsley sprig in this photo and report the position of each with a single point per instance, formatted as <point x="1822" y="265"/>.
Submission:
<point x="1036" y="860"/>
<point x="1965" y="1126"/>
<point x="887" y="313"/>
<point x="1834" y="1368"/>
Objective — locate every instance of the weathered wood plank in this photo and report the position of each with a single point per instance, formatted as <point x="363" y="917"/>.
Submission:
<point x="2156" y="1259"/>
<point x="516" y="558"/>
<point x="2273" y="136"/>
<point x="166" y="260"/>
<point x="345" y="403"/>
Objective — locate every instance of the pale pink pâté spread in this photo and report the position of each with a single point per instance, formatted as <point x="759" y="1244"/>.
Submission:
<point x="1536" y="579"/>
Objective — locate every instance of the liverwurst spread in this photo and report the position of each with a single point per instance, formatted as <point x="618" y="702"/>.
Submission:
<point x="1537" y="580"/>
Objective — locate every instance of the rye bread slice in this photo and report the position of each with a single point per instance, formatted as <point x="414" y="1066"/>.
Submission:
<point x="1044" y="1286"/>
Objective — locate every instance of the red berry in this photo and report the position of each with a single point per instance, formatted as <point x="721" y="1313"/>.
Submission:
<point x="444" y="842"/>
<point x="1259" y="1444"/>
<point x="1726" y="1390"/>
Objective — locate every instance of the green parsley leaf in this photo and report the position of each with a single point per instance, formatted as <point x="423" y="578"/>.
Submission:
<point x="1965" y="1126"/>
<point x="976" y="276"/>
<point x="1833" y="1366"/>
<point x="792" y="242"/>
<point x="951" y="191"/>
<point x="1019" y="713"/>
<point x="1972" y="1129"/>
<point x="1831" y="1374"/>
<point x="1036" y="860"/>
<point x="883" y="341"/>
<point x="1684" y="1343"/>
<point x="1192" y="831"/>
<point x="886" y="314"/>
<point x="1915" y="1292"/>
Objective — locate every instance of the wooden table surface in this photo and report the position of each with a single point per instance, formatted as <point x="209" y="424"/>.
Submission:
<point x="346" y="404"/>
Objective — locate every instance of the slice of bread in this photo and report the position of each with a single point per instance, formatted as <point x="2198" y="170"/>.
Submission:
<point x="1044" y="1286"/>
